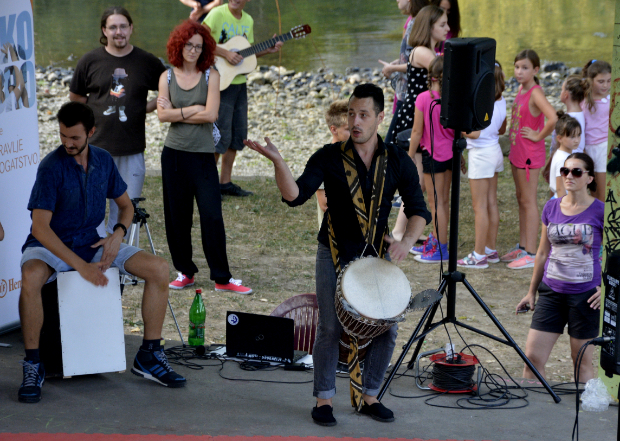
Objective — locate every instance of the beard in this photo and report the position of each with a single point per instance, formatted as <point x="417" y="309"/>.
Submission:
<point x="79" y="150"/>
<point x="120" y="43"/>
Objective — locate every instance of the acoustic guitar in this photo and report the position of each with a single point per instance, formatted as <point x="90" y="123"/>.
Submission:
<point x="239" y="44"/>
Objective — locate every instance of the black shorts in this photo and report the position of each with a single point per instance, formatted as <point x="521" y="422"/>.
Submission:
<point x="554" y="310"/>
<point x="438" y="167"/>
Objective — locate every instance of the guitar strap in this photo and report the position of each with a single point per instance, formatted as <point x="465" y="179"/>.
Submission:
<point x="368" y="224"/>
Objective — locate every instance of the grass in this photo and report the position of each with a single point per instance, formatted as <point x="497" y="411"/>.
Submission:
<point x="272" y="247"/>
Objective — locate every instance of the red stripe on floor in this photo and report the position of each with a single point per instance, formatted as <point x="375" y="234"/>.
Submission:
<point x="117" y="437"/>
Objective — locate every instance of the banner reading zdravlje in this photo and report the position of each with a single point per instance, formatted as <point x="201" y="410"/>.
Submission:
<point x="19" y="147"/>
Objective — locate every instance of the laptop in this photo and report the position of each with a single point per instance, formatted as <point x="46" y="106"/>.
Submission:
<point x="261" y="337"/>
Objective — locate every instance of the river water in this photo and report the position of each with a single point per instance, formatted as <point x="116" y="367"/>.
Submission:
<point x="344" y="32"/>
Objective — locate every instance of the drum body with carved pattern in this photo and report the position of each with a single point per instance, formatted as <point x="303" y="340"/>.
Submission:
<point x="372" y="295"/>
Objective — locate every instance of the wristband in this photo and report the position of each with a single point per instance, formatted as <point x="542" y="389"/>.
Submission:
<point x="119" y="225"/>
<point x="182" y="116"/>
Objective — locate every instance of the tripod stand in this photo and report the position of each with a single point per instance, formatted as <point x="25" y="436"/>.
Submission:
<point x="140" y="217"/>
<point x="449" y="281"/>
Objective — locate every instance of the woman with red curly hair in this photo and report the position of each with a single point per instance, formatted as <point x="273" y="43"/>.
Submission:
<point x="189" y="99"/>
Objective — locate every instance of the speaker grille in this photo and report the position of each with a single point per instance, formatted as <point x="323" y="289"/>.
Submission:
<point x="484" y="100"/>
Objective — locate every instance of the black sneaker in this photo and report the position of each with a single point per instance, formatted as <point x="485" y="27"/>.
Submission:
<point x="34" y="377"/>
<point x="323" y="415"/>
<point x="232" y="189"/>
<point x="154" y="366"/>
<point x="378" y="412"/>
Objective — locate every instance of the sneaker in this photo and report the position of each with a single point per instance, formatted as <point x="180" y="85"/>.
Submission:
<point x="493" y="257"/>
<point x="525" y="261"/>
<point x="233" y="286"/>
<point x="154" y="366"/>
<point x="471" y="262"/>
<point x="434" y="255"/>
<point x="34" y="377"/>
<point x="426" y="246"/>
<point x="181" y="282"/>
<point x="121" y="116"/>
<point x="511" y="255"/>
<point x="110" y="110"/>
<point x="231" y="189"/>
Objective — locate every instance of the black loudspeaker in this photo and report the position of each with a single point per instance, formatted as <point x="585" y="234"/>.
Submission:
<point x="468" y="92"/>
<point x="610" y="351"/>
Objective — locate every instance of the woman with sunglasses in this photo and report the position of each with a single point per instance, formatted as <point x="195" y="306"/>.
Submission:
<point x="189" y="99"/>
<point x="567" y="270"/>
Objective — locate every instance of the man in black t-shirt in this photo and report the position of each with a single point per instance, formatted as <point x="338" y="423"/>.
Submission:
<point x="114" y="80"/>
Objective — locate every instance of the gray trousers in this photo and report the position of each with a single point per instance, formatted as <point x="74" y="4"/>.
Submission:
<point x="325" y="352"/>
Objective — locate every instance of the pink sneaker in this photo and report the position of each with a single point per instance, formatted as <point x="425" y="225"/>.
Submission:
<point x="233" y="286"/>
<point x="181" y="282"/>
<point x="511" y="255"/>
<point x="493" y="257"/>
<point x="470" y="261"/>
<point x="525" y="261"/>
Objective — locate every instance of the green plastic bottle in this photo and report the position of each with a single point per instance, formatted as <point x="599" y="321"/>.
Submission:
<point x="197" y="316"/>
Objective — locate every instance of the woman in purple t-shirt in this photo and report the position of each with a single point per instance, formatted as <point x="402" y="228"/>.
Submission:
<point x="567" y="270"/>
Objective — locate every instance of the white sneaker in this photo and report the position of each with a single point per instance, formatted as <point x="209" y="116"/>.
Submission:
<point x="110" y="110"/>
<point x="121" y="116"/>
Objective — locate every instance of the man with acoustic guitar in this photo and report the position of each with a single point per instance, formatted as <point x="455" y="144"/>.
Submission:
<point x="361" y="172"/>
<point x="227" y="21"/>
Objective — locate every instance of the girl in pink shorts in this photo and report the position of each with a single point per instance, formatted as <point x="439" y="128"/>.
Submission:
<point x="528" y="131"/>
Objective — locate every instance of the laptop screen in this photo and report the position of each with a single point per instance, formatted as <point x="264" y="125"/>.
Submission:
<point x="260" y="337"/>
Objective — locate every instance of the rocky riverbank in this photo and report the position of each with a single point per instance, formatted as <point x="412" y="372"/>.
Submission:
<point x="285" y="105"/>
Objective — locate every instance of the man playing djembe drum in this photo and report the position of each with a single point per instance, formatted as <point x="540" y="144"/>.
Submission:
<point x="363" y="172"/>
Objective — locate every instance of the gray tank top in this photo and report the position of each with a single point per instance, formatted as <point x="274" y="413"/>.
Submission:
<point x="189" y="137"/>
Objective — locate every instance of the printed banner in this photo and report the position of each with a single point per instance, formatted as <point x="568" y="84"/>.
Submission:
<point x="19" y="147"/>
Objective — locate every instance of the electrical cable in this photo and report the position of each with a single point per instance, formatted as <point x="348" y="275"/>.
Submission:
<point x="576" y="372"/>
<point x="184" y="356"/>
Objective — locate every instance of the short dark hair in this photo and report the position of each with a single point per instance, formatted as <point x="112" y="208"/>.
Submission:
<point x="104" y="19"/>
<point x="73" y="113"/>
<point x="369" y="90"/>
<point x="589" y="163"/>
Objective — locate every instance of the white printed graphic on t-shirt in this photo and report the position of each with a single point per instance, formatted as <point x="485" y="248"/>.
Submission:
<point x="571" y="257"/>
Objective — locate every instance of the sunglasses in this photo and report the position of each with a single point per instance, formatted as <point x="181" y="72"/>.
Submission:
<point x="576" y="172"/>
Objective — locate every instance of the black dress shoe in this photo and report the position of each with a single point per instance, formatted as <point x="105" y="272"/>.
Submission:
<point x="378" y="412"/>
<point x="323" y="415"/>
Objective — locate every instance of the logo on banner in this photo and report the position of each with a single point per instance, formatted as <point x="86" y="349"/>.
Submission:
<point x="12" y="285"/>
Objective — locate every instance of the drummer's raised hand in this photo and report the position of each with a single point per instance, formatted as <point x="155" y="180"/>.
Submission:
<point x="269" y="151"/>
<point x="284" y="179"/>
<point x="398" y="249"/>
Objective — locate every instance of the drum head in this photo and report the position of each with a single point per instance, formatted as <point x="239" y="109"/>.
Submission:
<point x="376" y="288"/>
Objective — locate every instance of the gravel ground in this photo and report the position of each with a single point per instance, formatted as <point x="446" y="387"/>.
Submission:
<point x="285" y="105"/>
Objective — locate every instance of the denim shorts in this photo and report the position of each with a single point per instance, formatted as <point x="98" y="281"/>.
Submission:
<point x="40" y="253"/>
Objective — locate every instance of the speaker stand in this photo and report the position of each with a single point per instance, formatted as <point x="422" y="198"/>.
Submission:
<point x="449" y="281"/>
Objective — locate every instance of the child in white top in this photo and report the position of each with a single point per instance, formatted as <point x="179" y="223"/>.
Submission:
<point x="568" y="134"/>
<point x="485" y="161"/>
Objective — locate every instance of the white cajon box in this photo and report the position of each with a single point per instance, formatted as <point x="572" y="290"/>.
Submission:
<point x="91" y="324"/>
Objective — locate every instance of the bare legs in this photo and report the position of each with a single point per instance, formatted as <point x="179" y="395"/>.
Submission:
<point x="538" y="349"/>
<point x="529" y="218"/>
<point x="486" y="213"/>
<point x="442" y="184"/>
<point x="154" y="270"/>
<point x="34" y="275"/>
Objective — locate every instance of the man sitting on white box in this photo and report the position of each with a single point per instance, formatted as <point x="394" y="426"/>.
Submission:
<point x="68" y="202"/>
